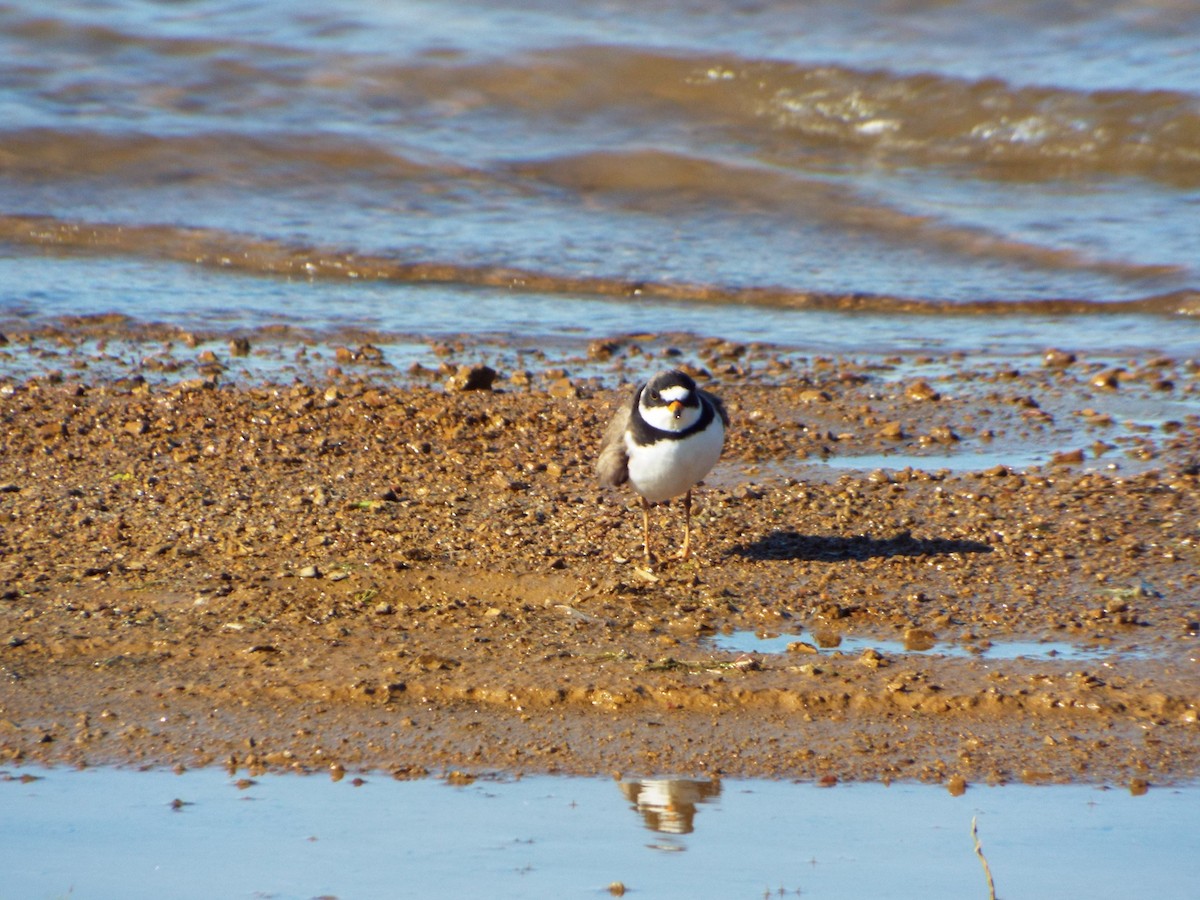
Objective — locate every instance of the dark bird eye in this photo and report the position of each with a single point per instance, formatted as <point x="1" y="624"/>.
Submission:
<point x="654" y="395"/>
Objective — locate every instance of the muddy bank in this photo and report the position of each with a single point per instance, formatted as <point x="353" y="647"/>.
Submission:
<point x="370" y="568"/>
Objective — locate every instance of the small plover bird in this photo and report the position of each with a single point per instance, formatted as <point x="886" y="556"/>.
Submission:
<point x="667" y="438"/>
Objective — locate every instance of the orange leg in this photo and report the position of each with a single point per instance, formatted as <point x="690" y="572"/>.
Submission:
<point x="687" y="526"/>
<point x="646" y="531"/>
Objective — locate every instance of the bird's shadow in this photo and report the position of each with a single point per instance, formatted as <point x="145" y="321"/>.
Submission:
<point x="791" y="544"/>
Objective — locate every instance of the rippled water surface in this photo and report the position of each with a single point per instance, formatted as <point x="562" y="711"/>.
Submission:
<point x="880" y="157"/>
<point x="109" y="833"/>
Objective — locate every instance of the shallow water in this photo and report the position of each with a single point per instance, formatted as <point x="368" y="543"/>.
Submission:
<point x="853" y="645"/>
<point x="889" y="157"/>
<point x="39" y="290"/>
<point x="105" y="833"/>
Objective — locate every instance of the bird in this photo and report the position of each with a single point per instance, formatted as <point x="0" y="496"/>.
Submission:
<point x="663" y="442"/>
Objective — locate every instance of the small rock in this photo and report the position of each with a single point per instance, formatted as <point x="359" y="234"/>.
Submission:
<point x="730" y="350"/>
<point x="892" y="431"/>
<point x="1057" y="359"/>
<point x="1067" y="458"/>
<point x="309" y="572"/>
<point x="51" y="431"/>
<point x="943" y="434"/>
<point x="471" y="378"/>
<point x="563" y="389"/>
<point x="922" y="390"/>
<point x="814" y="397"/>
<point x="828" y="640"/>
<point x="1108" y="380"/>
<point x="602" y="350"/>
<point x="872" y="659"/>
<point x="369" y="352"/>
<point x="239" y="347"/>
<point x="919" y="639"/>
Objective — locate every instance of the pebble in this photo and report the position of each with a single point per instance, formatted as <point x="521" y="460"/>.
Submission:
<point x="872" y="659"/>
<point x="919" y="639"/>
<point x="921" y="390"/>
<point x="602" y="350"/>
<point x="1067" y="458"/>
<point x="1057" y="359"/>
<point x="943" y="435"/>
<point x="563" y="389"/>
<point x="472" y="378"/>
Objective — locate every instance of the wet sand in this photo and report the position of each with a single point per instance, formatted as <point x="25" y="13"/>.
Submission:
<point x="368" y="569"/>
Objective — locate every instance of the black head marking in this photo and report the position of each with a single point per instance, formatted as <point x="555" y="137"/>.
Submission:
<point x="651" y="394"/>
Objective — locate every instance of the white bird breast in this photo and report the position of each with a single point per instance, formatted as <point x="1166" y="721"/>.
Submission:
<point x="668" y="468"/>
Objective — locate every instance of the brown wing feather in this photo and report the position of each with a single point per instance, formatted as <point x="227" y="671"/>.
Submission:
<point x="718" y="405"/>
<point x="612" y="466"/>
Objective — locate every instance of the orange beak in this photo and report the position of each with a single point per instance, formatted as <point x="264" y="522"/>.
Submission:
<point x="675" y="406"/>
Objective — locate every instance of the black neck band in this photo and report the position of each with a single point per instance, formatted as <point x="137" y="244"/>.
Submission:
<point x="645" y="433"/>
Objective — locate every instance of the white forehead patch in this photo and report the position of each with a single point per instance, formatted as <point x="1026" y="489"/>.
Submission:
<point x="674" y="392"/>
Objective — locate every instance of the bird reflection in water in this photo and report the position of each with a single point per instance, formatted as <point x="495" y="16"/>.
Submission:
<point x="668" y="805"/>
